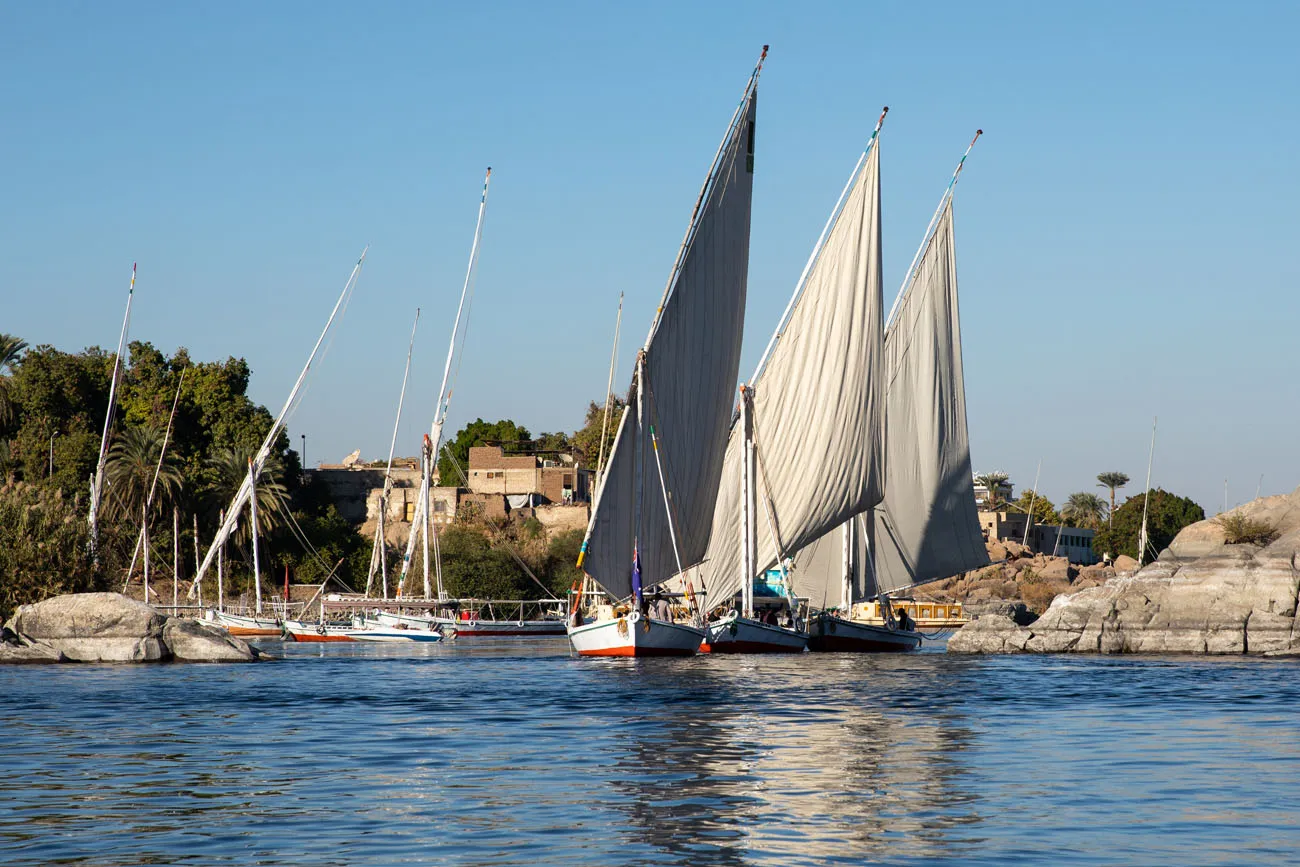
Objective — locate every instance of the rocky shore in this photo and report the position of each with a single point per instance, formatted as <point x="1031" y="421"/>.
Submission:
<point x="1202" y="595"/>
<point x="109" y="627"/>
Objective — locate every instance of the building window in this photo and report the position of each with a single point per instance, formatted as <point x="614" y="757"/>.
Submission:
<point x="568" y="481"/>
<point x="439" y="506"/>
<point x="410" y="513"/>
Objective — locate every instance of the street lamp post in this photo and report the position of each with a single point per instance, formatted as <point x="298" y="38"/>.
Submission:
<point x="304" y="453"/>
<point x="52" y="436"/>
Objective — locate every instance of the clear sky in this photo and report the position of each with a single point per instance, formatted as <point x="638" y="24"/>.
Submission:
<point x="1127" y="228"/>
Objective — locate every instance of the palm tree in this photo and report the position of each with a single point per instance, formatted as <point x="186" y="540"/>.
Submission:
<point x="132" y="462"/>
<point x="1085" y="509"/>
<point x="230" y="467"/>
<point x="992" y="482"/>
<point x="1113" y="481"/>
<point x="11" y="352"/>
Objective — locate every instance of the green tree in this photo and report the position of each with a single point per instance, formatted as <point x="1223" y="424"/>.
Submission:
<point x="587" y="440"/>
<point x="992" y="482"/>
<point x="476" y="433"/>
<point x="133" y="460"/>
<point x="229" y="468"/>
<point x="1112" y="481"/>
<point x="1044" y="511"/>
<point x="11" y="352"/>
<point x="1168" y="514"/>
<point x="561" y="557"/>
<point x="1084" y="509"/>
<point x="473" y="567"/>
<point x="43" y="547"/>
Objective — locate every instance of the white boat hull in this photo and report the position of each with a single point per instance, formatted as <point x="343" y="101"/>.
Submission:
<point x="635" y="635"/>
<point x="829" y="633"/>
<point x="315" y="632"/>
<point x="736" y="634"/>
<point x="472" y="628"/>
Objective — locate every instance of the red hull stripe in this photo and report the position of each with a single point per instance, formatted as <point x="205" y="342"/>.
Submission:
<point x="246" y="630"/>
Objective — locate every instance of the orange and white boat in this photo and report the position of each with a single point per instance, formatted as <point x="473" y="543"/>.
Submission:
<point x="635" y="635"/>
<point x="654" y="505"/>
<point x="249" y="626"/>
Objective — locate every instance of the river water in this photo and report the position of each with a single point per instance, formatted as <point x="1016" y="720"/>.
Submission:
<point x="515" y="753"/>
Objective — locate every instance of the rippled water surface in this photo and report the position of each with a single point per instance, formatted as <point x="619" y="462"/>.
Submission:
<point x="512" y="752"/>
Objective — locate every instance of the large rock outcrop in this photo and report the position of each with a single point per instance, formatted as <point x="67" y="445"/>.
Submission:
<point x="191" y="641"/>
<point x="1201" y="596"/>
<point x="109" y="627"/>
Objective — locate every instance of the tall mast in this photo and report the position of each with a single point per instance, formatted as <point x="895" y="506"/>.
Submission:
<point x="379" y="552"/>
<point x="444" y="394"/>
<point x="252" y="509"/>
<point x="1146" y="498"/>
<point x="259" y="459"/>
<point x="1029" y="522"/>
<point x="97" y="484"/>
<point x="748" y="505"/>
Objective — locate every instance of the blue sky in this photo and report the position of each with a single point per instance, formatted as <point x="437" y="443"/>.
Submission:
<point x="1126" y="228"/>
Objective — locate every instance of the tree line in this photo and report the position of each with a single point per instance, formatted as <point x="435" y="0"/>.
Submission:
<point x="52" y="412"/>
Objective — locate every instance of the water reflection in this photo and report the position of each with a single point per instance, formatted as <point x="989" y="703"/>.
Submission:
<point x="502" y="754"/>
<point x="800" y="760"/>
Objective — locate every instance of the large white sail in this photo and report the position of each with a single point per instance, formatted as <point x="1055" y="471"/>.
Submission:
<point x="927" y="527"/>
<point x="818" y="400"/>
<point x="670" y="441"/>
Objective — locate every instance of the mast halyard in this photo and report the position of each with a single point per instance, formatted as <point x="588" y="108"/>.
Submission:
<point x="97" y="483"/>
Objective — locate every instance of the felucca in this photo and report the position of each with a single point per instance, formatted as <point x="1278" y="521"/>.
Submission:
<point x="246" y="495"/>
<point x="654" y="507"/>
<point x="809" y="426"/>
<point x="925" y="527"/>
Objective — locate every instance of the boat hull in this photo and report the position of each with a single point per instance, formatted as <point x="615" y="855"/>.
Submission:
<point x="476" y="628"/>
<point x="736" y="634"/>
<point x="831" y="634"/>
<point x="249" y="627"/>
<point x="314" y="632"/>
<point x="635" y="636"/>
<point x="503" y="628"/>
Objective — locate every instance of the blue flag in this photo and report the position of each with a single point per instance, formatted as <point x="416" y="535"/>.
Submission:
<point x="636" y="574"/>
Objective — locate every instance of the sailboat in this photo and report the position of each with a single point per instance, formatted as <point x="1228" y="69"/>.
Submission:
<point x="422" y="526"/>
<point x="925" y="527"/>
<point x="379" y="554"/>
<point x="805" y="454"/>
<point x="255" y="624"/>
<point x="653" y="512"/>
<point x="119" y="368"/>
<point x="246" y="495"/>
